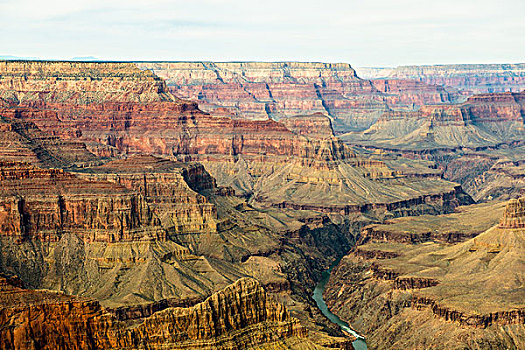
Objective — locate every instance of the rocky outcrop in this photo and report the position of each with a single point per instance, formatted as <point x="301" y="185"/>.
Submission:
<point x="44" y="204"/>
<point x="171" y="190"/>
<point x="260" y="90"/>
<point x="38" y="83"/>
<point x="24" y="141"/>
<point x="514" y="215"/>
<point x="315" y="125"/>
<point x="411" y="94"/>
<point x="469" y="320"/>
<point x="443" y="202"/>
<point x="241" y="316"/>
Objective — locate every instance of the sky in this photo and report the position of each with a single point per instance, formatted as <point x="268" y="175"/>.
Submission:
<point x="364" y="33"/>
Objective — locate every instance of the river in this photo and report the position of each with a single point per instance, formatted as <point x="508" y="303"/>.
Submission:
<point x="359" y="343"/>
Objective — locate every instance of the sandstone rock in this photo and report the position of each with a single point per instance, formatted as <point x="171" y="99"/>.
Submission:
<point x="514" y="215"/>
<point x="241" y="316"/>
<point x="260" y="90"/>
<point x="481" y="121"/>
<point x="24" y="141"/>
<point x="316" y="125"/>
<point x="42" y="203"/>
<point x="166" y="126"/>
<point x="450" y="296"/>
<point x="411" y="94"/>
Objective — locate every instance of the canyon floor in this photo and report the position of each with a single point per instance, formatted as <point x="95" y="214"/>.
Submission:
<point x="195" y="205"/>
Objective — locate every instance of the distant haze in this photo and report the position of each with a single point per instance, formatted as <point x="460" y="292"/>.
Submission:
<point x="362" y="33"/>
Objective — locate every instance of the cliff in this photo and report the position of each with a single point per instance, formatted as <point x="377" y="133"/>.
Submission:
<point x="514" y="215"/>
<point x="315" y="125"/>
<point x="458" y="295"/>
<point x="470" y="78"/>
<point x="482" y="121"/>
<point x="134" y="113"/>
<point x="45" y="203"/>
<point x="171" y="190"/>
<point x="36" y="83"/>
<point x="411" y="94"/>
<point x="259" y="90"/>
<point x="24" y="141"/>
<point x="247" y="155"/>
<point x="241" y="316"/>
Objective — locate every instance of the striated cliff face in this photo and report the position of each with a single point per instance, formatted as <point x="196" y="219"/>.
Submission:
<point x="444" y="296"/>
<point x="481" y="121"/>
<point x="42" y="203"/>
<point x="36" y="83"/>
<point x="514" y="215"/>
<point x="24" y="141"/>
<point x="259" y="90"/>
<point x="411" y="94"/>
<point x="132" y="112"/>
<point x="170" y="189"/>
<point x="315" y="125"/>
<point x="241" y="316"/>
<point x="252" y="156"/>
<point x="470" y="78"/>
<point x="99" y="232"/>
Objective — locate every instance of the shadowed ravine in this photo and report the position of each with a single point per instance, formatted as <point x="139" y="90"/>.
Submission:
<point x="359" y="343"/>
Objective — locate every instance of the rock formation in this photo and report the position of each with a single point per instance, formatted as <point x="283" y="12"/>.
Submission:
<point x="411" y="94"/>
<point x="481" y="121"/>
<point x="469" y="78"/>
<point x="24" y="141"/>
<point x="239" y="153"/>
<point x="131" y="220"/>
<point x="260" y="90"/>
<point x="446" y="296"/>
<point x="514" y="215"/>
<point x="241" y="316"/>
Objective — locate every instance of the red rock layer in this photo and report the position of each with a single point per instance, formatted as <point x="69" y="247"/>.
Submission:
<point x="127" y="110"/>
<point x="316" y="125"/>
<point x="43" y="204"/>
<point x="478" y="109"/>
<point x="24" y="141"/>
<point x="404" y="93"/>
<point x="260" y="90"/>
<point x="121" y="201"/>
<point x="170" y="189"/>
<point x="239" y="317"/>
<point x="472" y="78"/>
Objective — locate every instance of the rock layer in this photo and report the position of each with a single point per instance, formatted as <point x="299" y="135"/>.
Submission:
<point x="260" y="90"/>
<point x="239" y="153"/>
<point x="239" y="317"/>
<point x="440" y="295"/>
<point x="470" y="78"/>
<point x="482" y="121"/>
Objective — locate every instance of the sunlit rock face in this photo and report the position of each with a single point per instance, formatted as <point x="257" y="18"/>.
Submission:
<point x="258" y="90"/>
<point x="241" y="316"/>
<point x="482" y="120"/>
<point x="450" y="281"/>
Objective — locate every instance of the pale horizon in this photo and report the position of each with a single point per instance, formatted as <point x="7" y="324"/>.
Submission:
<point x="364" y="34"/>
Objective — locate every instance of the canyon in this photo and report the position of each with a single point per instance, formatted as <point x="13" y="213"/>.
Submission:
<point x="401" y="279"/>
<point x="257" y="90"/>
<point x="467" y="78"/>
<point x="196" y="204"/>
